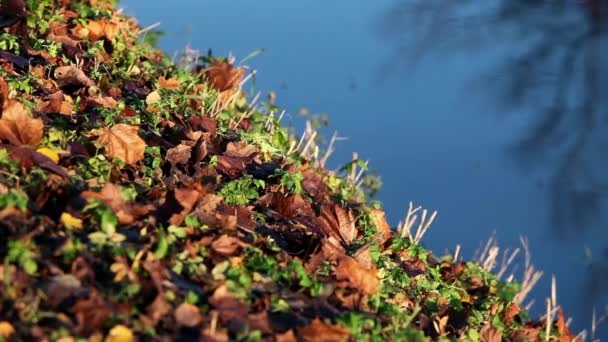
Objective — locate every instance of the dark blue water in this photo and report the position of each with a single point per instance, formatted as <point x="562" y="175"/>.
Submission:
<point x="433" y="138"/>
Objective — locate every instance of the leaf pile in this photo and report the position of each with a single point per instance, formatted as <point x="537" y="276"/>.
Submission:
<point x="140" y="199"/>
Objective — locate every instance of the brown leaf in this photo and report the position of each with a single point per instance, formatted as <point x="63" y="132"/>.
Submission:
<point x="55" y="103"/>
<point x="510" y="314"/>
<point x="12" y="7"/>
<point x="490" y="334"/>
<point x="28" y="157"/>
<point x="350" y="273"/>
<point x="232" y="167"/>
<point x="287" y="336"/>
<point x="228" y="307"/>
<point x="346" y="223"/>
<point x="18" y="127"/>
<point x="179" y="154"/>
<point x="227" y="245"/>
<point x="111" y="196"/>
<point x="121" y="141"/>
<point x="384" y="229"/>
<point x="91" y="313"/>
<point x="95" y="30"/>
<point x="525" y="334"/>
<point x="313" y="183"/>
<point x="213" y="212"/>
<point x="159" y="308"/>
<point x="317" y="331"/>
<point x="186" y="198"/>
<point x="240" y="149"/>
<point x="71" y="75"/>
<point x="171" y="83"/>
<point x="188" y="315"/>
<point x="4" y="92"/>
<point x="564" y="333"/>
<point x="224" y="76"/>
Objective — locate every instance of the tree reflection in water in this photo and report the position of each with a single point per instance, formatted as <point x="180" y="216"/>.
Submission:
<point x="555" y="64"/>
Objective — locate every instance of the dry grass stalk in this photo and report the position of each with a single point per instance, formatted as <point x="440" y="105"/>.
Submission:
<point x="405" y="228"/>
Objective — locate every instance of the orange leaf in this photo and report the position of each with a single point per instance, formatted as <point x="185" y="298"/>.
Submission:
<point x="18" y="127"/>
<point x="350" y="273"/>
<point x="319" y="331"/>
<point x="121" y="141"/>
<point x="224" y="76"/>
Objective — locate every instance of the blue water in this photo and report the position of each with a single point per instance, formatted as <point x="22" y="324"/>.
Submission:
<point x="432" y="137"/>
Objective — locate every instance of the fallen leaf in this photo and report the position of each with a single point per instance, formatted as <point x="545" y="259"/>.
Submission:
<point x="188" y="315"/>
<point x="227" y="245"/>
<point x="91" y="313"/>
<point x="72" y="76"/>
<point x="70" y="222"/>
<point x="171" y="83"/>
<point x="240" y="149"/>
<point x="18" y="127"/>
<point x="6" y="329"/>
<point x="223" y="76"/>
<point x="121" y="141"/>
<point x="49" y="153"/>
<point x="490" y="334"/>
<point x="179" y="154"/>
<point x="350" y="273"/>
<point x="111" y="196"/>
<point x="228" y="307"/>
<point x="120" y="333"/>
<point x="317" y="331"/>
<point x="157" y="310"/>
<point x="562" y="329"/>
<point x="55" y="103"/>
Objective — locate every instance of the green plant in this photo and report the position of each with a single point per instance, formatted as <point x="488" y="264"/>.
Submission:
<point x="242" y="190"/>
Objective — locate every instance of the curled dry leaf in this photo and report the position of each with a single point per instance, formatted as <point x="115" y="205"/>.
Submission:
<point x="71" y="75"/>
<point x="18" y="127"/>
<point x="350" y="273"/>
<point x="188" y="315"/>
<point x="122" y="141"/>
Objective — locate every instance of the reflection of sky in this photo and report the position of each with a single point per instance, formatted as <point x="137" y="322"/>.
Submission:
<point x="432" y="139"/>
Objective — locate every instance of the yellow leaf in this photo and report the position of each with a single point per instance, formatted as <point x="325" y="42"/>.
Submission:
<point x="120" y="333"/>
<point x="70" y="221"/>
<point x="6" y="329"/>
<point x="120" y="271"/>
<point x="49" y="153"/>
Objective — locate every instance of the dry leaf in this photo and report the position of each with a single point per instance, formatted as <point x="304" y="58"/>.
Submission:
<point x="490" y="334"/>
<point x="70" y="75"/>
<point x="317" y="331"/>
<point x="350" y="273"/>
<point x="224" y="76"/>
<point x="18" y="127"/>
<point x="6" y="329"/>
<point x="120" y="333"/>
<point x="121" y="141"/>
<point x="188" y="315"/>
<point x="71" y="222"/>
<point x="49" y="153"/>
